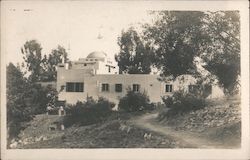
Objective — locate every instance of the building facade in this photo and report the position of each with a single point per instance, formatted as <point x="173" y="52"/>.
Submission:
<point x="98" y="76"/>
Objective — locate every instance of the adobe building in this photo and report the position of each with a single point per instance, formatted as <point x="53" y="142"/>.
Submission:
<point x="98" y="76"/>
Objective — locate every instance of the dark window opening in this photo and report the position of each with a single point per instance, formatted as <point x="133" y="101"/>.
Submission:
<point x="168" y="88"/>
<point x="69" y="87"/>
<point x="105" y="87"/>
<point x="118" y="87"/>
<point x="136" y="87"/>
<point x="193" y="88"/>
<point x="74" y="87"/>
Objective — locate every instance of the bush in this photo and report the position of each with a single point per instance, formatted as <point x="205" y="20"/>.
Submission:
<point x="182" y="102"/>
<point x="89" y="112"/>
<point x="24" y="100"/>
<point x="168" y="101"/>
<point x="135" y="101"/>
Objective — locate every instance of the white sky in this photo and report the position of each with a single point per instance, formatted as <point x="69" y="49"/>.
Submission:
<point x="74" y="24"/>
<point x="78" y="23"/>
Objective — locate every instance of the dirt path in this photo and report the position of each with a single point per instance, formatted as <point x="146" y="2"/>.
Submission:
<point x="183" y="138"/>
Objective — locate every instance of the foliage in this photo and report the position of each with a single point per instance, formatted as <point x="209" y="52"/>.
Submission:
<point x="178" y="37"/>
<point x="50" y="62"/>
<point x="24" y="99"/>
<point x="168" y="101"/>
<point x="134" y="56"/>
<point x="135" y="101"/>
<point x="222" y="56"/>
<point x="17" y="110"/>
<point x="52" y="105"/>
<point x="181" y="102"/>
<point x="37" y="98"/>
<point x="32" y="55"/>
<point x="42" y="68"/>
<point x="88" y="112"/>
<point x="25" y="96"/>
<point x="201" y="90"/>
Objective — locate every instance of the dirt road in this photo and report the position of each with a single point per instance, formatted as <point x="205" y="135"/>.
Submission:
<point x="184" y="138"/>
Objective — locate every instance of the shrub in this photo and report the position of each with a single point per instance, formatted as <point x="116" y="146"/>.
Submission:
<point x="24" y="100"/>
<point x="182" y="102"/>
<point x="89" y="112"/>
<point x="135" y="101"/>
<point x="168" y="101"/>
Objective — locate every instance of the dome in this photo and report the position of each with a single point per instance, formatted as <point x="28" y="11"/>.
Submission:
<point x="97" y="54"/>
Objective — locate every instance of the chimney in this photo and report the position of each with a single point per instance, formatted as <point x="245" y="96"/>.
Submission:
<point x="63" y="59"/>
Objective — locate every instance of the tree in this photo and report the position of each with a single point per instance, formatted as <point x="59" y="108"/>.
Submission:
<point x="134" y="56"/>
<point x="33" y="58"/>
<point x="42" y="68"/>
<point x="51" y="61"/>
<point x="25" y="97"/>
<point x="17" y="110"/>
<point x="222" y="56"/>
<point x="135" y="101"/>
<point x="177" y="37"/>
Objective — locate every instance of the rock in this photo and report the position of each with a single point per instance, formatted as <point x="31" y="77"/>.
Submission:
<point x="164" y="142"/>
<point x="14" y="145"/>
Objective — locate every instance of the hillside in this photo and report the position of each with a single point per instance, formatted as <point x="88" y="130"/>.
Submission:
<point x="216" y="126"/>
<point x="38" y="130"/>
<point x="116" y="132"/>
<point x="220" y="121"/>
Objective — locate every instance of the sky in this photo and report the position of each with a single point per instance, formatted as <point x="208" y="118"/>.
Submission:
<point x="76" y="25"/>
<point x="72" y="24"/>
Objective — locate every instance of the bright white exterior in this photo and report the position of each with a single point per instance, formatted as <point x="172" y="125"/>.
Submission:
<point x="98" y="62"/>
<point x="97" y="76"/>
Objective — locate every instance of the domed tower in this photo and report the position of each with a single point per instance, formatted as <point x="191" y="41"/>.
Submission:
<point x="105" y="64"/>
<point x="97" y="54"/>
<point x="98" y="62"/>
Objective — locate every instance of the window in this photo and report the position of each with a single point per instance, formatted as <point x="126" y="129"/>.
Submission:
<point x="79" y="87"/>
<point x="168" y="88"/>
<point x="74" y="87"/>
<point x="194" y="88"/>
<point x="105" y="87"/>
<point x="85" y="64"/>
<point x="69" y="87"/>
<point x="118" y="87"/>
<point x="136" y="87"/>
<point x="109" y="69"/>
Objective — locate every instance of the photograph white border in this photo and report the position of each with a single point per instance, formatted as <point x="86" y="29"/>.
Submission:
<point x="156" y="154"/>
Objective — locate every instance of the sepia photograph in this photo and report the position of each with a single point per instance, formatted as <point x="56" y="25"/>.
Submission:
<point x="123" y="75"/>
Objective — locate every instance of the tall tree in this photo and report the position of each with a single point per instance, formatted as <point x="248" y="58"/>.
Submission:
<point x="177" y="37"/>
<point x="50" y="62"/>
<point x="17" y="110"/>
<point x="222" y="55"/>
<point x="33" y="58"/>
<point x="134" y="55"/>
<point x="42" y="68"/>
<point x="24" y="99"/>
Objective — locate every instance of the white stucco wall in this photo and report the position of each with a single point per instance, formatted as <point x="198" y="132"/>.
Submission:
<point x="154" y="88"/>
<point x="92" y="85"/>
<point x="182" y="82"/>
